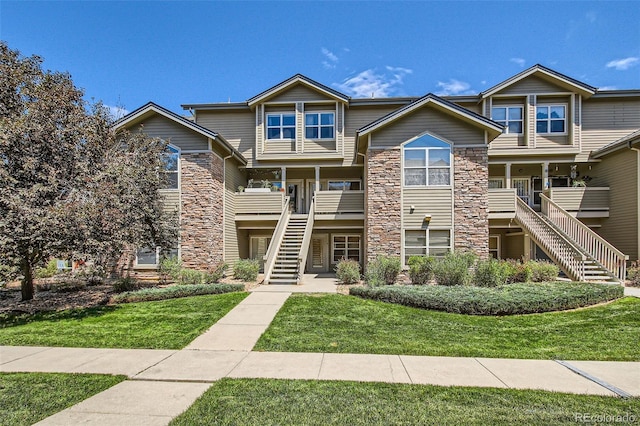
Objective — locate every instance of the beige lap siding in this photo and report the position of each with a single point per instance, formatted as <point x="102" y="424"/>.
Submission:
<point x="471" y="200"/>
<point x="201" y="216"/>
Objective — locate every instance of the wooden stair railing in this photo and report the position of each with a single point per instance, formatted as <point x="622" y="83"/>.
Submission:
<point x="276" y="240"/>
<point x="306" y="241"/>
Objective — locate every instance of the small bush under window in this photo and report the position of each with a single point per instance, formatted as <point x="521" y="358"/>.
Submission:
<point x="421" y="269"/>
<point x="246" y="269"/>
<point x="348" y="271"/>
<point x="383" y="270"/>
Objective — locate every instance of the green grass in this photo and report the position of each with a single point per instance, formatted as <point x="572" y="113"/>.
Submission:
<point x="288" y="402"/>
<point x="27" y="398"/>
<point x="346" y="324"/>
<point x="167" y="324"/>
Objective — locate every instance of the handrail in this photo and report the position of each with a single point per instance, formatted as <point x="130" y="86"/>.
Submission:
<point x="568" y="256"/>
<point x="306" y="241"/>
<point x="597" y="247"/>
<point x="278" y="235"/>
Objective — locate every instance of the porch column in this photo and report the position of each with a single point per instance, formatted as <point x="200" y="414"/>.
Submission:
<point x="283" y="173"/>
<point x="545" y="175"/>
<point x="317" y="179"/>
<point x="507" y="175"/>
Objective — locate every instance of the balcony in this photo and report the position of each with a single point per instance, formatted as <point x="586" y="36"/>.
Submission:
<point x="502" y="203"/>
<point x="581" y="202"/>
<point x="259" y="205"/>
<point x="339" y="205"/>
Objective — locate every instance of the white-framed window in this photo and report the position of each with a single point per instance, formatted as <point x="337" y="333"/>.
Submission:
<point x="319" y="125"/>
<point x="494" y="246"/>
<point x="151" y="257"/>
<point x="551" y="119"/>
<point x="345" y="247"/>
<point x="281" y="126"/>
<point x="346" y="185"/>
<point x="427" y="162"/>
<point x="510" y="117"/>
<point x="426" y="242"/>
<point x="170" y="158"/>
<point x="496" y="183"/>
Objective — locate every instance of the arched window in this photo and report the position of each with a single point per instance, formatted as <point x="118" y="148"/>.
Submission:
<point x="427" y="162"/>
<point x="170" y="158"/>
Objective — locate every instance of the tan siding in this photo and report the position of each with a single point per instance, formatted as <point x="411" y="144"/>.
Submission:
<point x="259" y="202"/>
<point x="575" y="199"/>
<point x="436" y="202"/>
<point x="178" y="135"/>
<point x="507" y="141"/>
<point x="233" y="179"/>
<point x="427" y="119"/>
<point x="620" y="173"/>
<point x="604" y="121"/>
<point x="277" y="146"/>
<point x="547" y="141"/>
<point x="299" y="93"/>
<point x="339" y="202"/>
<point x="502" y="200"/>
<point x="237" y="127"/>
<point x="319" y="146"/>
<point x="356" y="118"/>
<point x="329" y="107"/>
<point x="170" y="200"/>
<point x="531" y="84"/>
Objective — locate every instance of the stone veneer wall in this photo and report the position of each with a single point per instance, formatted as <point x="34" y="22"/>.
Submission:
<point x="471" y="200"/>
<point x="201" y="215"/>
<point x="384" y="213"/>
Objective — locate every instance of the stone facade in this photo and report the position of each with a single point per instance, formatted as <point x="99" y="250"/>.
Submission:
<point x="471" y="200"/>
<point x="201" y="213"/>
<point x="384" y="212"/>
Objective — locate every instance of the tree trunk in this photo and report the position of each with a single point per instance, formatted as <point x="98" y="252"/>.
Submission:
<point x="27" y="282"/>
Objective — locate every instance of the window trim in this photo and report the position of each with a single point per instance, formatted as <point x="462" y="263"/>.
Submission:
<point x="426" y="166"/>
<point x="177" y="172"/>
<point x="548" y="120"/>
<point x="427" y="246"/>
<point x="506" y="121"/>
<point x="333" y="246"/>
<point x="319" y="126"/>
<point x="150" y="265"/>
<point x="281" y="126"/>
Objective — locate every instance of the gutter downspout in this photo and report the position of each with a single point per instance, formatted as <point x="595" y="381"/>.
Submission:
<point x="637" y="195"/>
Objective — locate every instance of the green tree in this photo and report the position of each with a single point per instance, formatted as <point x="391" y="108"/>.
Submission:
<point x="69" y="184"/>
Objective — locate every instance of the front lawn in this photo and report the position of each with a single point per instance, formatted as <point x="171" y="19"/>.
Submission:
<point x="297" y="402"/>
<point x="167" y="324"/>
<point x="347" y="324"/>
<point x="27" y="398"/>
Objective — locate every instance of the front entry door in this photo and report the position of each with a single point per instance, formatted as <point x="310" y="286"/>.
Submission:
<point x="522" y="187"/>
<point x="295" y="190"/>
<point x="319" y="254"/>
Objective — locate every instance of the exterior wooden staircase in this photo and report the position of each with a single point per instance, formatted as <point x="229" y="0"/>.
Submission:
<point x="285" y="269"/>
<point x="579" y="252"/>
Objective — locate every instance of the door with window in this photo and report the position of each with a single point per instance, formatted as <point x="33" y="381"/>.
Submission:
<point x="295" y="190"/>
<point x="319" y="254"/>
<point x="523" y="188"/>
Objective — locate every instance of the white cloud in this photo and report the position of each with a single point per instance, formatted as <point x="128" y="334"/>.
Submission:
<point x="519" y="61"/>
<point x="454" y="87"/>
<point x="623" y="64"/>
<point x="117" y="112"/>
<point x="608" y="88"/>
<point x="370" y="83"/>
<point x="331" y="59"/>
<point x="591" y="16"/>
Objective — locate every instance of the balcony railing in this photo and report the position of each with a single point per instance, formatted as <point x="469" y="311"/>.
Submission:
<point x="339" y="202"/>
<point x="502" y="203"/>
<point x="259" y="203"/>
<point x="582" y="202"/>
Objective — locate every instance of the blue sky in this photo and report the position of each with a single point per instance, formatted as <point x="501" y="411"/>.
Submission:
<point x="128" y="53"/>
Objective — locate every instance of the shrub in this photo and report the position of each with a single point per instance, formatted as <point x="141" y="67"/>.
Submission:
<point x="48" y="271"/>
<point x="421" y="269"/>
<point x="348" y="271"/>
<point x="453" y="268"/>
<point x="512" y="299"/>
<point x="633" y="274"/>
<point x="125" y="284"/>
<point x="518" y="272"/>
<point x="491" y="273"/>
<point x="170" y="267"/>
<point x="191" y="276"/>
<point x="383" y="270"/>
<point x="7" y="273"/>
<point x="172" y="292"/>
<point x="215" y="274"/>
<point x="543" y="271"/>
<point x="246" y="269"/>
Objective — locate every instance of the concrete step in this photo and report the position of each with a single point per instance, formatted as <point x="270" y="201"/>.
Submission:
<point x="283" y="281"/>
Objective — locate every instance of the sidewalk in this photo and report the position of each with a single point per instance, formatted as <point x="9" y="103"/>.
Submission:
<point x="164" y="383"/>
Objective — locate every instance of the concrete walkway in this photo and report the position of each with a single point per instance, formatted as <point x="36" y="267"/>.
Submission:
<point x="164" y="383"/>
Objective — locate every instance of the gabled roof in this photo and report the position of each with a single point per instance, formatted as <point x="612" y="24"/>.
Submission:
<point x="491" y="126"/>
<point x="298" y="79"/>
<point x="624" y="142"/>
<point x="153" y="108"/>
<point x="547" y="74"/>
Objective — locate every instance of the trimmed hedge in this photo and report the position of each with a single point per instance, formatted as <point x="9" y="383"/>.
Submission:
<point x="175" y="291"/>
<point x="508" y="299"/>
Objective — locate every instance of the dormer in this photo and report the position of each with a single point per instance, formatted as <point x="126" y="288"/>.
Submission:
<point x="540" y="109"/>
<point x="299" y="119"/>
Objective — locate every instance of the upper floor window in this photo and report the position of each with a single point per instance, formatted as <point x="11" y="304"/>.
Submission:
<point x="427" y="162"/>
<point x="170" y="159"/>
<point x="281" y="126"/>
<point x="319" y="125"/>
<point x="551" y="119"/>
<point x="510" y="117"/>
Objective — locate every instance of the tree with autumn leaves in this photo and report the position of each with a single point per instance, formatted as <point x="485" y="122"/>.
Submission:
<point x="71" y="186"/>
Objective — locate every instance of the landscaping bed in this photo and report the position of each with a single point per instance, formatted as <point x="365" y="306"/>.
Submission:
<point x="510" y="299"/>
